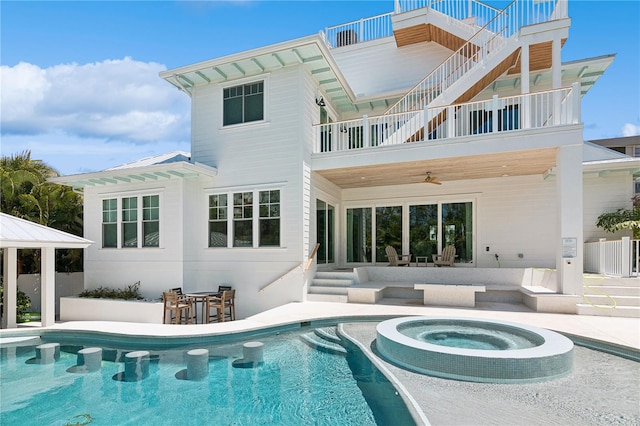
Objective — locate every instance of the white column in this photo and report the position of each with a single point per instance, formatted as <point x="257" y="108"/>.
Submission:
<point x="48" y="286"/>
<point x="569" y="217"/>
<point x="10" y="280"/>
<point x="556" y="76"/>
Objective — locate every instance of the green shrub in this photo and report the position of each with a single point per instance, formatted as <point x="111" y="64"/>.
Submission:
<point x="130" y="292"/>
<point x="23" y="301"/>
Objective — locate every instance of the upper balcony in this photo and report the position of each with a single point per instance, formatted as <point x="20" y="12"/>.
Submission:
<point x="515" y="124"/>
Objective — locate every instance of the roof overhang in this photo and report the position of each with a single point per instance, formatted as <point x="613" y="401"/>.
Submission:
<point x="151" y="173"/>
<point x="311" y="51"/>
<point x="21" y="233"/>
<point x="586" y="71"/>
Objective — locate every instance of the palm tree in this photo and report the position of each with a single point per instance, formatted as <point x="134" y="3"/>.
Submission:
<point x="25" y="193"/>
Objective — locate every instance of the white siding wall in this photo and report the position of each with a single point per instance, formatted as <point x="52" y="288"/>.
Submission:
<point x="156" y="268"/>
<point x="380" y="67"/>
<point x="512" y="215"/>
<point x="602" y="194"/>
<point x="254" y="156"/>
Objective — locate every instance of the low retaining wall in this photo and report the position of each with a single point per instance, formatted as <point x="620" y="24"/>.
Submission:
<point x="88" y="309"/>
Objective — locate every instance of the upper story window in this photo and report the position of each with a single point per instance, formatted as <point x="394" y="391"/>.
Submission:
<point x="131" y="210"/>
<point x="243" y="104"/>
<point x="245" y="219"/>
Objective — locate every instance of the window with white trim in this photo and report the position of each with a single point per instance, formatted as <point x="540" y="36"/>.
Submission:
<point x="110" y="223"/>
<point x="269" y="235"/>
<point x="237" y="220"/>
<point x="130" y="222"/>
<point x="134" y="216"/>
<point x="218" y="220"/>
<point x="243" y="104"/>
<point x="243" y="219"/>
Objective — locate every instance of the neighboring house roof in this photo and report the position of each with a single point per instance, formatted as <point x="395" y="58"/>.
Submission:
<point x="20" y="233"/>
<point x="172" y="165"/>
<point x="169" y="157"/>
<point x="595" y="152"/>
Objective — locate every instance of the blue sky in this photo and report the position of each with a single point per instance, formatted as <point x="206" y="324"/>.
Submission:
<point x="80" y="85"/>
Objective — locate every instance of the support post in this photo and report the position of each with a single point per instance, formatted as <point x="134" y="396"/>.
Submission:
<point x="494" y="114"/>
<point x="569" y="217"/>
<point x="48" y="286"/>
<point x="575" y="93"/>
<point x="626" y="257"/>
<point x="10" y="302"/>
<point x="556" y="77"/>
<point x="366" y="132"/>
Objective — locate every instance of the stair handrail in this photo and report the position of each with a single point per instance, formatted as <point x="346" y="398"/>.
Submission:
<point x="300" y="265"/>
<point x="504" y="25"/>
<point x="456" y="9"/>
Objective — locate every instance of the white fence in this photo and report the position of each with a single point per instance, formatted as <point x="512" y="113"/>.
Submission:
<point x="617" y="258"/>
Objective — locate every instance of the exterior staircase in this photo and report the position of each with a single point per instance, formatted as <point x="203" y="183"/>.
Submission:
<point x="326" y="340"/>
<point x="489" y="53"/>
<point x="330" y="286"/>
<point x="611" y="297"/>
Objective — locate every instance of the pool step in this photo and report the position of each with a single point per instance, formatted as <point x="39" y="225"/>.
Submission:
<point x="322" y="341"/>
<point x="328" y="333"/>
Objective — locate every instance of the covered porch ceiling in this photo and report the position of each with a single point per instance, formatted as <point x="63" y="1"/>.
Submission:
<point x="532" y="162"/>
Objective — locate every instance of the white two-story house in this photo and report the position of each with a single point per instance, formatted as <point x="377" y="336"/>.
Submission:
<point x="438" y="123"/>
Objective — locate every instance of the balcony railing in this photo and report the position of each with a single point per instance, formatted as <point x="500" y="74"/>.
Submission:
<point x="531" y="111"/>
<point x="471" y="12"/>
<point x="359" y="31"/>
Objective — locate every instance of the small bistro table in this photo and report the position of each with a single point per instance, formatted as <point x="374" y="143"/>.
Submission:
<point x="202" y="298"/>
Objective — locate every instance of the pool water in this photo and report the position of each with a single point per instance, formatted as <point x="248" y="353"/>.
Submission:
<point x="295" y="385"/>
<point x="468" y="336"/>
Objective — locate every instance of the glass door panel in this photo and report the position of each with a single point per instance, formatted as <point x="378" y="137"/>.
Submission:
<point x="388" y="230"/>
<point x="457" y="229"/>
<point x="325" y="220"/>
<point x="321" y="230"/>
<point x="423" y="230"/>
<point x="359" y="235"/>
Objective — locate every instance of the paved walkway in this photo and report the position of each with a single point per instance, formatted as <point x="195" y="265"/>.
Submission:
<point x="620" y="331"/>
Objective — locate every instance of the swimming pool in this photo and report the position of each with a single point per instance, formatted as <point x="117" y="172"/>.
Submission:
<point x="296" y="384"/>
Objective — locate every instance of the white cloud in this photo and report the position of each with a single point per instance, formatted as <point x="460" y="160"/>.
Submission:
<point x="116" y="100"/>
<point x="630" y="130"/>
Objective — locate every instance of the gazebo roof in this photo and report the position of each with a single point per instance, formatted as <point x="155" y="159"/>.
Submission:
<point x="20" y="233"/>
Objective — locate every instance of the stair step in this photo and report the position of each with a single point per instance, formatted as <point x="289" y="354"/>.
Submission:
<point x="317" y="289"/>
<point x="331" y="282"/>
<point x="620" y="311"/>
<point x="345" y="275"/>
<point x="328" y="333"/>
<point x="317" y="342"/>
<point x="319" y="297"/>
<point x="599" y="281"/>
<point x="612" y="290"/>
<point x="602" y="300"/>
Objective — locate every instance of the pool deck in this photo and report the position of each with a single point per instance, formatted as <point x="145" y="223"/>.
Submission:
<point x="619" y="331"/>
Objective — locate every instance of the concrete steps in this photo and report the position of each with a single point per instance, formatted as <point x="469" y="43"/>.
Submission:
<point x="611" y="297"/>
<point x="330" y="286"/>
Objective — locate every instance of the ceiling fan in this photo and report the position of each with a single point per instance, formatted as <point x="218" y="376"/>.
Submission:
<point x="431" y="179"/>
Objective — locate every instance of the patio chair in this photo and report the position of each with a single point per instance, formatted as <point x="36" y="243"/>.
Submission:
<point x="224" y="305"/>
<point x="447" y="257"/>
<point x="396" y="259"/>
<point x="181" y="310"/>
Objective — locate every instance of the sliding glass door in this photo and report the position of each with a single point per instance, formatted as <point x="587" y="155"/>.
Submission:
<point x="325" y="232"/>
<point x="422" y="229"/>
<point x="359" y="233"/>
<point x="457" y="229"/>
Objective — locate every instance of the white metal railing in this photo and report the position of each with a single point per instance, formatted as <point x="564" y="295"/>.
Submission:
<point x="617" y="257"/>
<point x="359" y="31"/>
<point x="476" y="50"/>
<point x="472" y="11"/>
<point x="534" y="110"/>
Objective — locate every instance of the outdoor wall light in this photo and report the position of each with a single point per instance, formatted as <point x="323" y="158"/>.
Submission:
<point x="320" y="101"/>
